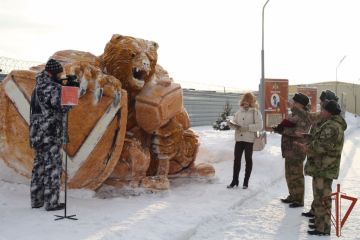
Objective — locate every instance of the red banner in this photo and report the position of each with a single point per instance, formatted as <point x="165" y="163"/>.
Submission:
<point x="276" y="101"/>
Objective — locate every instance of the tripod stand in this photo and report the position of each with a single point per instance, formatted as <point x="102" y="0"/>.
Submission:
<point x="72" y="217"/>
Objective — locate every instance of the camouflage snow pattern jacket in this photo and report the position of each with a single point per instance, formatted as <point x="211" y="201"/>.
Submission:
<point x="47" y="116"/>
<point x="325" y="148"/>
<point x="302" y="123"/>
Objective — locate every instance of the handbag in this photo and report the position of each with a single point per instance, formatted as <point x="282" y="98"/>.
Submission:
<point x="260" y="139"/>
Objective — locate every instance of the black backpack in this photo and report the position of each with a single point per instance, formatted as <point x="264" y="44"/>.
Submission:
<point x="34" y="104"/>
<point x="35" y="115"/>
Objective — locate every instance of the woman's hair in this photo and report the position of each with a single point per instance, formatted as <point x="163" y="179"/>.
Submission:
<point x="249" y="98"/>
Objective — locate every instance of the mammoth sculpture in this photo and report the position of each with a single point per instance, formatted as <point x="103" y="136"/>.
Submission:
<point x="130" y="127"/>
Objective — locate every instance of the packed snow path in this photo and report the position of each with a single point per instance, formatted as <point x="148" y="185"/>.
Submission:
<point x="192" y="209"/>
<point x="264" y="217"/>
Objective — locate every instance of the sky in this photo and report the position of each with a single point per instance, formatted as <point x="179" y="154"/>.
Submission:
<point x="203" y="43"/>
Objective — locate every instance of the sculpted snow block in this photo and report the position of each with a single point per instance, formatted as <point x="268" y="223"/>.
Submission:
<point x="157" y="105"/>
<point x="92" y="155"/>
<point x="130" y="127"/>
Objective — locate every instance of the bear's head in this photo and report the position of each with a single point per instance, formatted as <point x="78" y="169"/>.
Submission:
<point x="131" y="60"/>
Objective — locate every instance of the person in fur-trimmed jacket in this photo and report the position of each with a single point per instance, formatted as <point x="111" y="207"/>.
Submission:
<point x="246" y="122"/>
<point x="47" y="134"/>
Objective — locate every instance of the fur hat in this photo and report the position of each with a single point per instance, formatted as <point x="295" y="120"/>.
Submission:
<point x="250" y="98"/>
<point x="332" y="107"/>
<point x="301" y="98"/>
<point x="328" y="95"/>
<point x="53" y="66"/>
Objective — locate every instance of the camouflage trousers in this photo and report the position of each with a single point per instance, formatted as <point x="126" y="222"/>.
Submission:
<point x="322" y="188"/>
<point x="294" y="174"/>
<point x="46" y="175"/>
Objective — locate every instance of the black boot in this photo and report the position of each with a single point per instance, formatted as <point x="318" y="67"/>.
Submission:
<point x="312" y="226"/>
<point x="37" y="205"/>
<point x="295" y="205"/>
<point x="246" y="183"/>
<point x="233" y="184"/>
<point x="287" y="200"/>
<point x="55" y="207"/>
<point x="248" y="169"/>
<point x="308" y="214"/>
<point x="318" y="233"/>
<point x="236" y="167"/>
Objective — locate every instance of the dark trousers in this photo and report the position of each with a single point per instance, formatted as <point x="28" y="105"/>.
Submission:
<point x="46" y="175"/>
<point x="240" y="147"/>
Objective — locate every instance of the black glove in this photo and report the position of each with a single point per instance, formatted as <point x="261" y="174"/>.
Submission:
<point x="278" y="129"/>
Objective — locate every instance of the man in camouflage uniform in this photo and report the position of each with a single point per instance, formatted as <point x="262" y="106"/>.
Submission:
<point x="316" y="121"/>
<point x="294" y="156"/>
<point x="47" y="132"/>
<point x="326" y="145"/>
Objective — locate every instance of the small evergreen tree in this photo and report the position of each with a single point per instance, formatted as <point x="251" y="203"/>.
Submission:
<point x="221" y="123"/>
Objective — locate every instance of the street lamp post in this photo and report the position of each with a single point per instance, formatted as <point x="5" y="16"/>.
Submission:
<point x="355" y="98"/>
<point x="336" y="83"/>
<point x="262" y="97"/>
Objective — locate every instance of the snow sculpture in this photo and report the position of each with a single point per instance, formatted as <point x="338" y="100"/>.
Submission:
<point x="130" y="127"/>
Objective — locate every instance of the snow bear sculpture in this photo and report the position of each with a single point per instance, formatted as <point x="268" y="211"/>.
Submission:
<point x="130" y="127"/>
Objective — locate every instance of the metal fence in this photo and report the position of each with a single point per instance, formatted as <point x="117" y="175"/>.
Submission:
<point x="2" y="76"/>
<point x="9" y="64"/>
<point x="205" y="107"/>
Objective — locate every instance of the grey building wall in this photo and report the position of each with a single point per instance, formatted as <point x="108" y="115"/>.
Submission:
<point x="349" y="94"/>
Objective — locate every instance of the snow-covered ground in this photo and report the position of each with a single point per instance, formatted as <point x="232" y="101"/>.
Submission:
<point x="192" y="209"/>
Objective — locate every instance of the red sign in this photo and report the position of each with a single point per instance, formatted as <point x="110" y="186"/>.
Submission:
<point x="311" y="92"/>
<point x="69" y="95"/>
<point x="276" y="101"/>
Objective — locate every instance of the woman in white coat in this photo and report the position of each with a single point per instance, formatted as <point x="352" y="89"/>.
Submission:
<point x="246" y="122"/>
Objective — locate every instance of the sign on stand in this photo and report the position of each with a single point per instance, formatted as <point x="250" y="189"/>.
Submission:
<point x="69" y="96"/>
<point x="276" y="101"/>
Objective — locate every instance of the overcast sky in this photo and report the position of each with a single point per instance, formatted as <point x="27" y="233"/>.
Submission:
<point x="209" y="42"/>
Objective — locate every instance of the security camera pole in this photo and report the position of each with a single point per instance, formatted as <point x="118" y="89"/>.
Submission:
<point x="337" y="67"/>
<point x="262" y="97"/>
<point x="69" y="97"/>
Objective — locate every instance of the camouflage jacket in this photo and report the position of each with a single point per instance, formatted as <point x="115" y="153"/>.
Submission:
<point x="325" y="148"/>
<point x="316" y="122"/>
<point x="314" y="117"/>
<point x="310" y="163"/>
<point x="47" y="116"/>
<point x="302" y="123"/>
